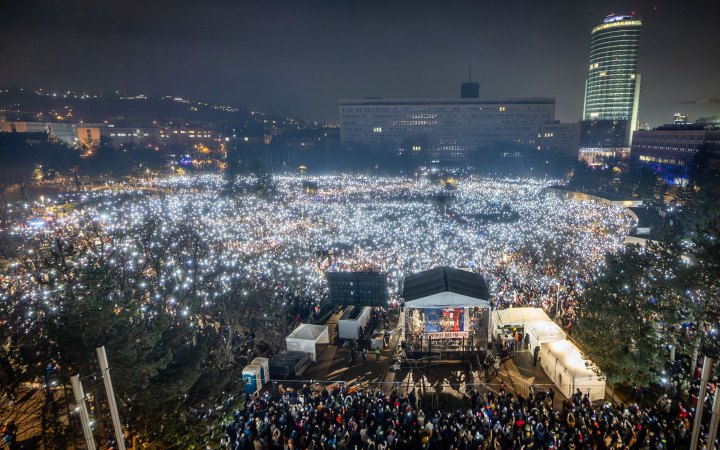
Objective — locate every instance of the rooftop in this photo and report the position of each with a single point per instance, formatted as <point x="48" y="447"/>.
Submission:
<point x="448" y="101"/>
<point x="445" y="279"/>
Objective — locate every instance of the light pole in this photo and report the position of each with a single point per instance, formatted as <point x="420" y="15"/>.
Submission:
<point x="105" y="369"/>
<point x="82" y="411"/>
<point x="712" y="431"/>
<point x="707" y="370"/>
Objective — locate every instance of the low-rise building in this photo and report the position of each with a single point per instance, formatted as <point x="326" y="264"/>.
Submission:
<point x="671" y="149"/>
<point x="603" y="139"/>
<point x="66" y="132"/>
<point x="559" y="138"/>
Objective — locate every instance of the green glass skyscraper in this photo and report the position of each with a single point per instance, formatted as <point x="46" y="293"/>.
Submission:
<point x="612" y="89"/>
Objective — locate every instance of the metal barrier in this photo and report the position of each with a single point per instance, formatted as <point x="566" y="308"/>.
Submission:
<point x="439" y="388"/>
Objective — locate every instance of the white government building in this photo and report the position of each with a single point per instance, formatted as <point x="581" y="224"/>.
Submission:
<point x="444" y="128"/>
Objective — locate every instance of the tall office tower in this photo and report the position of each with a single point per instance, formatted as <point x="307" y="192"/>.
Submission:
<point x="612" y="89"/>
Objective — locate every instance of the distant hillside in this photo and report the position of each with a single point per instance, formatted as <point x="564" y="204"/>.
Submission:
<point x="121" y="109"/>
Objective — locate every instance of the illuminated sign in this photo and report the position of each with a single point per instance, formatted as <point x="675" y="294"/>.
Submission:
<point x="448" y="335"/>
<point x="616" y="18"/>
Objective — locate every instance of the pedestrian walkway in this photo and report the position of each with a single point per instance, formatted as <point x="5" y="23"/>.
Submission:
<point x="335" y="364"/>
<point x="519" y="373"/>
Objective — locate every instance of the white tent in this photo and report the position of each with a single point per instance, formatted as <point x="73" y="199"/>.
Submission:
<point x="570" y="370"/>
<point x="306" y="337"/>
<point x="540" y="332"/>
<point x="516" y="317"/>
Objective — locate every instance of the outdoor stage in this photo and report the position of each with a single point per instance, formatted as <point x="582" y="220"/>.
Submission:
<point x="445" y="333"/>
<point x="447" y="314"/>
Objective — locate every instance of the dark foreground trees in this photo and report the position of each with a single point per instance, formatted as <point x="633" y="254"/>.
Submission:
<point x="175" y="359"/>
<point x="665" y="295"/>
<point x="628" y="315"/>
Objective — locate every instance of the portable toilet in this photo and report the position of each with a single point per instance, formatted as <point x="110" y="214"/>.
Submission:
<point x="264" y="365"/>
<point x="251" y="378"/>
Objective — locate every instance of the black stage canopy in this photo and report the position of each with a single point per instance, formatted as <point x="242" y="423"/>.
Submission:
<point x="445" y="279"/>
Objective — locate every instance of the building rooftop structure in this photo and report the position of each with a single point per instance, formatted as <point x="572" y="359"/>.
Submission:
<point x="445" y="279"/>
<point x="445" y="101"/>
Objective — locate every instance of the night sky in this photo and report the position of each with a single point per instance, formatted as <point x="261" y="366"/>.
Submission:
<point x="299" y="57"/>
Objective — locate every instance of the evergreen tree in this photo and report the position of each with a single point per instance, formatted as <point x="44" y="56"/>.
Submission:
<point x="619" y="325"/>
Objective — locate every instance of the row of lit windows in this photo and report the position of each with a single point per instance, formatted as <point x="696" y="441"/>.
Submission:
<point x="129" y="135"/>
<point x="651" y="142"/>
<point x="612" y="76"/>
<point x="674" y="137"/>
<point x="410" y="126"/>
<point x="451" y="115"/>
<point x="665" y="148"/>
<point x="400" y="138"/>
<point x="611" y="85"/>
<point x="653" y="159"/>
<point x="618" y="24"/>
<point x="626" y="46"/>
<point x="616" y="42"/>
<point x="485" y="121"/>
<point x="437" y="109"/>
<point x="610" y="53"/>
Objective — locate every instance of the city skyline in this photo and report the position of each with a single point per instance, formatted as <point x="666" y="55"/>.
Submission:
<point x="295" y="59"/>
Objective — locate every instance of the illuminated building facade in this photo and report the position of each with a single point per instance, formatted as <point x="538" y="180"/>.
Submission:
<point x="88" y="136"/>
<point x="612" y="89"/>
<point x="670" y="149"/>
<point x="445" y="129"/>
<point x="65" y="132"/>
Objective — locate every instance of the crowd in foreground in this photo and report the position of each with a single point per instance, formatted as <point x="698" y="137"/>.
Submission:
<point x="372" y="419"/>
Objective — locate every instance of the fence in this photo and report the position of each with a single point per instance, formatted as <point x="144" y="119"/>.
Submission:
<point x="437" y="395"/>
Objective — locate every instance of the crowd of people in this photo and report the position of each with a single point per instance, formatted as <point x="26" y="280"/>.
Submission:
<point x="183" y="244"/>
<point x="341" y="418"/>
<point x="202" y="242"/>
